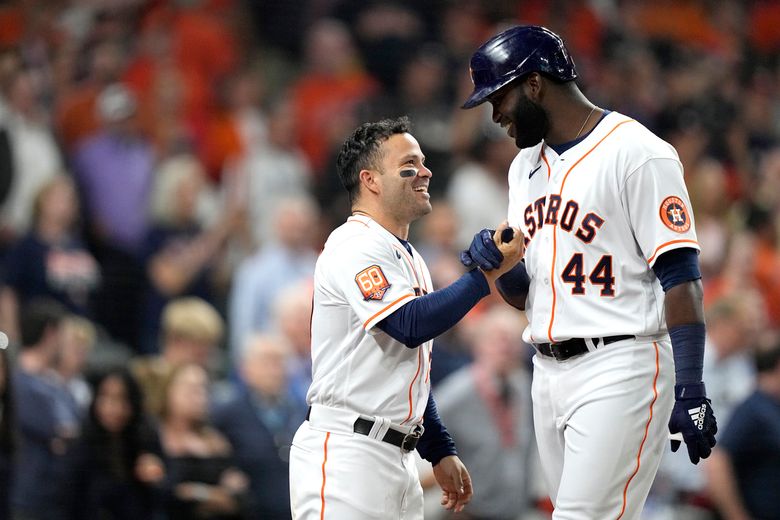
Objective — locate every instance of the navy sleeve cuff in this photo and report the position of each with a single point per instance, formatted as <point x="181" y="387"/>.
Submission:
<point x="436" y="442"/>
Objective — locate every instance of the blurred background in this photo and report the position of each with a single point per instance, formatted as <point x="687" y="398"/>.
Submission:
<point x="167" y="179"/>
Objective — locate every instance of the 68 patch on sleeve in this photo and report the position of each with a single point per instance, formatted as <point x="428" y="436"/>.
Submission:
<point x="372" y="283"/>
<point x="675" y="215"/>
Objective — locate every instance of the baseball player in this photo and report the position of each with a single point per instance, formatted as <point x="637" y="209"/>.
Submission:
<point x="374" y="317"/>
<point x="610" y="280"/>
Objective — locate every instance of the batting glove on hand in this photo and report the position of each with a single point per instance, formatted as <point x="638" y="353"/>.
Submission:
<point x="692" y="416"/>
<point x="483" y="252"/>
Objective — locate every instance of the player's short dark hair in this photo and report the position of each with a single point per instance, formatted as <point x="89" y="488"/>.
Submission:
<point x="361" y="150"/>
<point x="36" y="317"/>
<point x="767" y="357"/>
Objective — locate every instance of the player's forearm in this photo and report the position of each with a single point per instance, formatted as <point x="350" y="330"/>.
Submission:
<point x="426" y="317"/>
<point x="513" y="286"/>
<point x="683" y="304"/>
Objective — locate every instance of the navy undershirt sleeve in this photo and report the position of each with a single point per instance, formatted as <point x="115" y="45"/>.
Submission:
<point x="673" y="268"/>
<point x="428" y="316"/>
<point x="677" y="266"/>
<point x="435" y="443"/>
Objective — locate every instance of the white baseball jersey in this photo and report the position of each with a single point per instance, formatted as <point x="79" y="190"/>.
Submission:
<point x="363" y="275"/>
<point x="595" y="220"/>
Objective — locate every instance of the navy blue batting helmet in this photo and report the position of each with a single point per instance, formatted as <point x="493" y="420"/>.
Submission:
<point x="515" y="53"/>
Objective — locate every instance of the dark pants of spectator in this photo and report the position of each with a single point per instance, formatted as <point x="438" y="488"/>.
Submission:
<point x="117" y="305"/>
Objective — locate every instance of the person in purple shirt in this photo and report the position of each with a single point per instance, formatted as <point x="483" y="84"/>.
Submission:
<point x="114" y="170"/>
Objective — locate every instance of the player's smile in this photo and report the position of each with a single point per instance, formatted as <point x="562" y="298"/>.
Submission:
<point x="422" y="188"/>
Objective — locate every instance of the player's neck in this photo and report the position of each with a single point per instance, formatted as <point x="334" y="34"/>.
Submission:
<point x="399" y="229"/>
<point x="572" y="119"/>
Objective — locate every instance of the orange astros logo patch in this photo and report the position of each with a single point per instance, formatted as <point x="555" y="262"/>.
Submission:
<point x="372" y="283"/>
<point x="675" y="215"/>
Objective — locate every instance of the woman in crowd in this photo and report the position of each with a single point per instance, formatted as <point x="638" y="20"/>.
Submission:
<point x="180" y="253"/>
<point x="51" y="260"/>
<point x="121" y="467"/>
<point x="201" y="480"/>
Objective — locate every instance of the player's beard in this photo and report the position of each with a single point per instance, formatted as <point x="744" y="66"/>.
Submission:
<point x="531" y="123"/>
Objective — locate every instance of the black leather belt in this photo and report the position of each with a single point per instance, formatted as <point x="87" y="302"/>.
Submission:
<point x="405" y="441"/>
<point x="575" y="346"/>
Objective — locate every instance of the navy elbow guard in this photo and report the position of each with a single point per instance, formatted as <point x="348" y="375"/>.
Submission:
<point x="677" y="266"/>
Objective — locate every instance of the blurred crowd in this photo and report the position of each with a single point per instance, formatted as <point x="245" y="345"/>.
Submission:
<point x="167" y="179"/>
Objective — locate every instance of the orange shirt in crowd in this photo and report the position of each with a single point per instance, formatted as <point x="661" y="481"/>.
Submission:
<point x="222" y="143"/>
<point x="76" y="117"/>
<point x="764" y="23"/>
<point x="319" y="101"/>
<point x="767" y="274"/>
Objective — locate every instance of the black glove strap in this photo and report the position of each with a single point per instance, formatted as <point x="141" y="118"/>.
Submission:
<point x="689" y="391"/>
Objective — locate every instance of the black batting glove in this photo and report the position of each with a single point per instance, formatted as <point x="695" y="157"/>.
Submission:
<point x="482" y="252"/>
<point x="693" y="417"/>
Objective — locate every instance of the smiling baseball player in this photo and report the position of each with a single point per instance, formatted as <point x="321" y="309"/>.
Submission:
<point x="610" y="281"/>
<point x="375" y="315"/>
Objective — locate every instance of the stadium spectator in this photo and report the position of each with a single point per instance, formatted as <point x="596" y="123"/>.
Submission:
<point x="51" y="260"/>
<point x="114" y="169"/>
<point x="289" y="305"/>
<point x="744" y="473"/>
<point x="202" y="481"/>
<point x="273" y="172"/>
<point x="191" y="330"/>
<point x="34" y="155"/>
<point x="487" y="409"/>
<point x="43" y="467"/>
<point x="120" y="465"/>
<point x="478" y="190"/>
<point x="276" y="265"/>
<point x="260" y="419"/>
<point x="77" y="117"/>
<point x="237" y="128"/>
<point x="179" y="252"/>
<point x="328" y="92"/>
<point x="77" y="342"/>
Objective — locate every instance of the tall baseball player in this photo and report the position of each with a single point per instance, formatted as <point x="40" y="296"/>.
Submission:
<point x="610" y="280"/>
<point x="375" y="316"/>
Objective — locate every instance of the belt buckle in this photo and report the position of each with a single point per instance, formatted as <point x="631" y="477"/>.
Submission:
<point x="556" y="352"/>
<point x="409" y="442"/>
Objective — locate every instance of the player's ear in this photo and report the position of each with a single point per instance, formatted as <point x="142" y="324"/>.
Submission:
<point x="534" y="86"/>
<point x="368" y="178"/>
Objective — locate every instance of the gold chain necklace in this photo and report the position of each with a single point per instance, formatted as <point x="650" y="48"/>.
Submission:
<point x="585" y="122"/>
